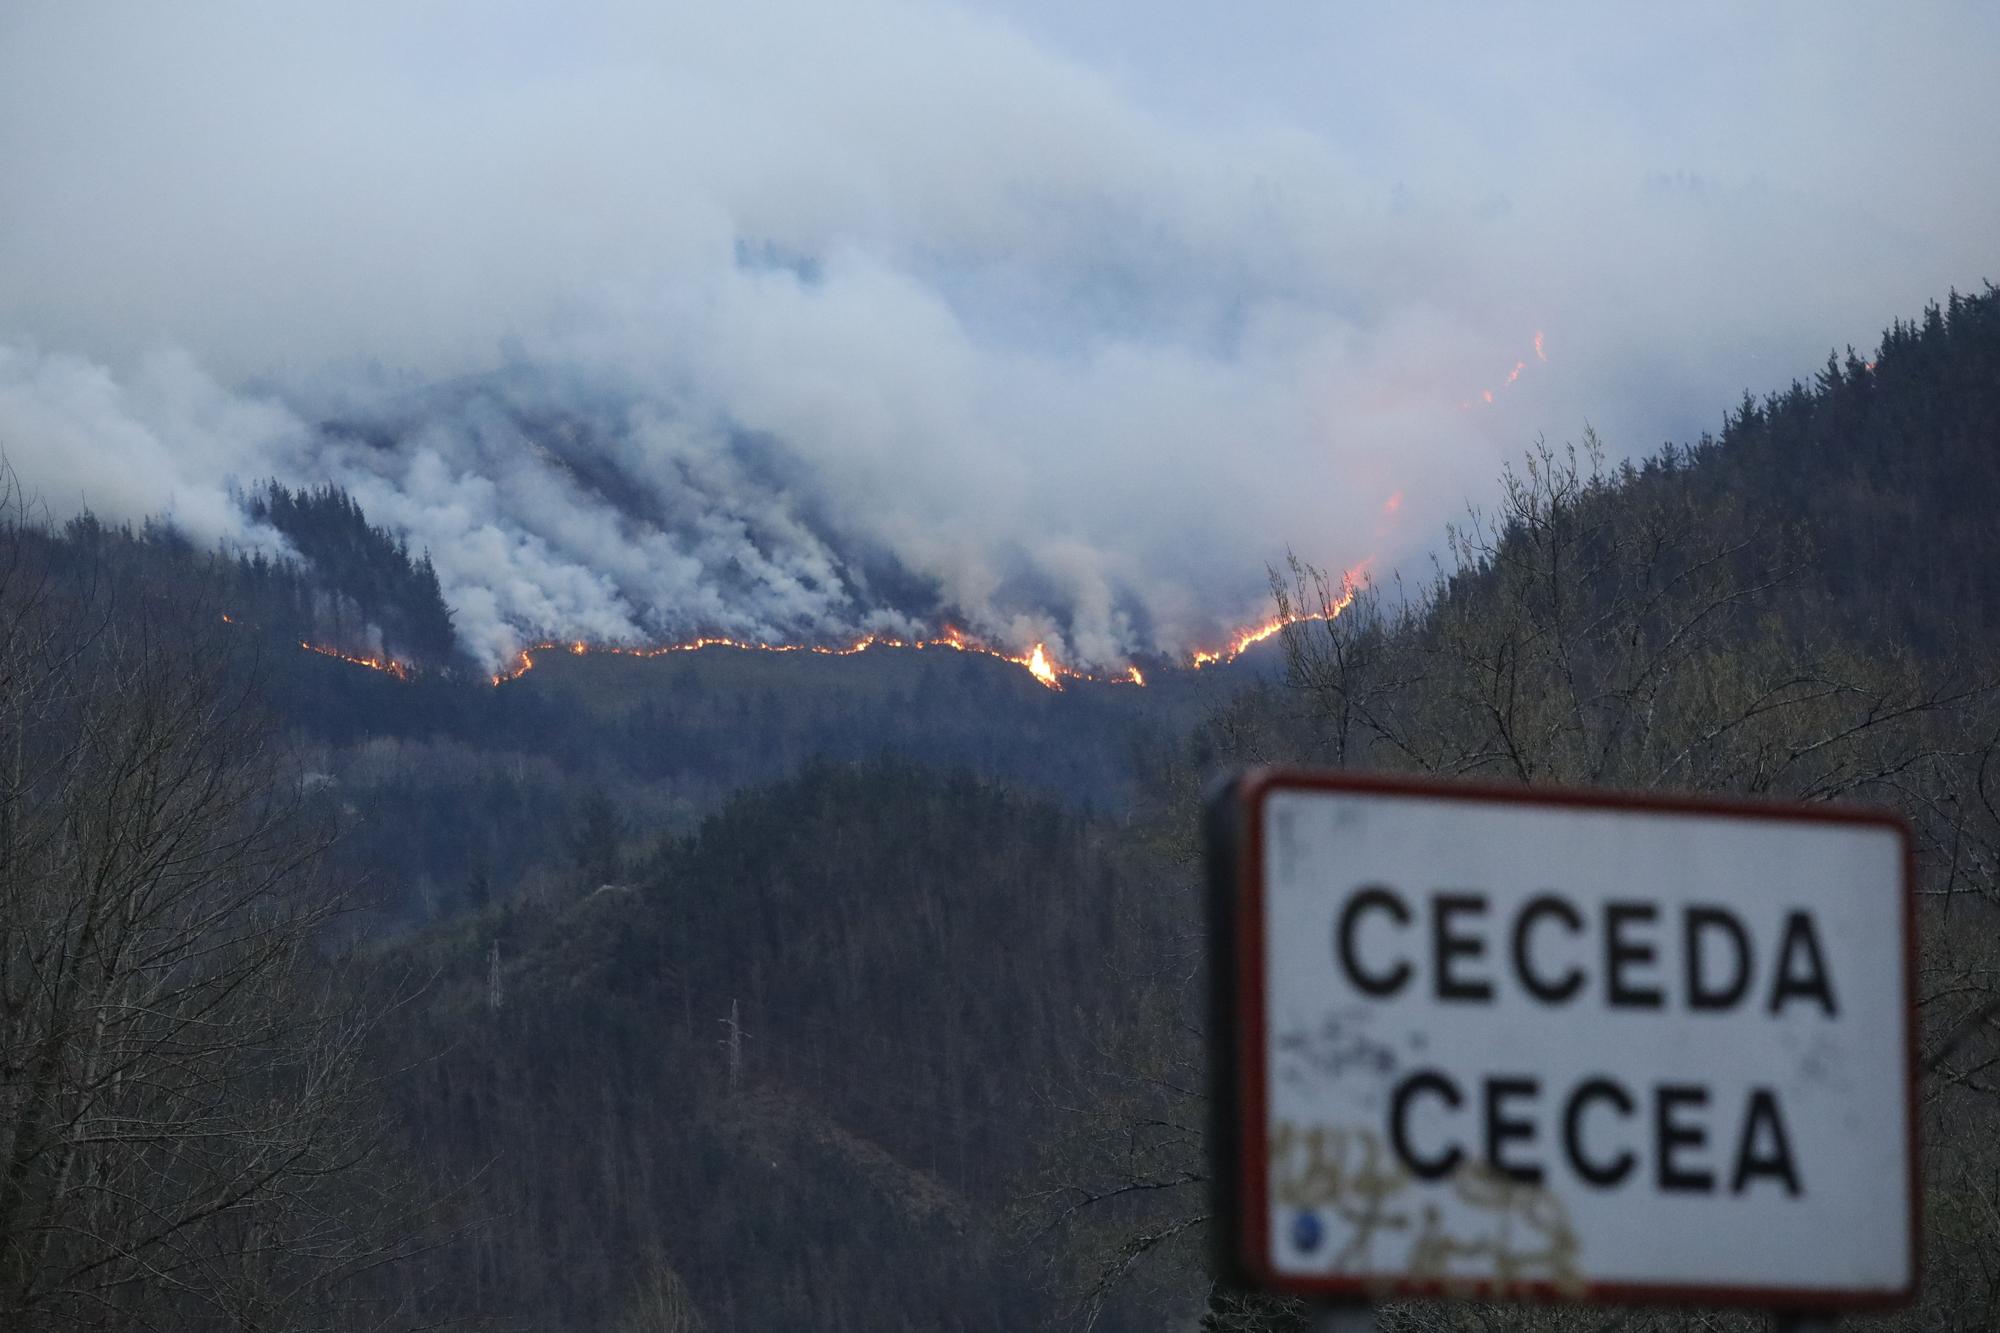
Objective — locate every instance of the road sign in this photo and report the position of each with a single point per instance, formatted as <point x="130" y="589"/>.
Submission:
<point x="1517" y="1043"/>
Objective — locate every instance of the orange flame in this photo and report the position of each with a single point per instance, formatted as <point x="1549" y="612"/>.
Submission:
<point x="1350" y="585"/>
<point x="1041" y="669"/>
<point x="400" y="670"/>
<point x="1486" y="395"/>
<point x="523" y="665"/>
<point x="1037" y="662"/>
<point x="387" y="665"/>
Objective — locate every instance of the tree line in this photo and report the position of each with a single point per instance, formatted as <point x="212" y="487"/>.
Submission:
<point x="1801" y="608"/>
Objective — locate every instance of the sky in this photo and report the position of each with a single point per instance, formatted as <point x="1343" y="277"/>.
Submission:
<point x="1060" y="322"/>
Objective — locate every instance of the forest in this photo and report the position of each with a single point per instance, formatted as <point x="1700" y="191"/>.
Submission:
<point x="727" y="991"/>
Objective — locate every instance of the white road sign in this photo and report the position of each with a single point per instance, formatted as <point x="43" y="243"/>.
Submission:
<point x="1570" y="1046"/>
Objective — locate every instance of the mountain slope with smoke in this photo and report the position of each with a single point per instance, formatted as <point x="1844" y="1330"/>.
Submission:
<point x="557" y="509"/>
<point x="803" y="321"/>
<point x="570" y="504"/>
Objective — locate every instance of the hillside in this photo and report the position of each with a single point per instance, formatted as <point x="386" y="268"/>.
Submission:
<point x="915" y="962"/>
<point x="629" y="633"/>
<point x="738" y="990"/>
<point x="456" y="782"/>
<point x="967" y="1017"/>
<point x="443" y="781"/>
<point x="1771" y="612"/>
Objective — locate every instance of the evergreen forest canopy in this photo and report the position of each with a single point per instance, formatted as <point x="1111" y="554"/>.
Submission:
<point x="362" y="570"/>
<point x="723" y="991"/>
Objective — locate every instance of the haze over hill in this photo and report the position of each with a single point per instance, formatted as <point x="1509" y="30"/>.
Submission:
<point x="854" y="991"/>
<point x="934" y="972"/>
<point x="615" y="616"/>
<point x="646" y="327"/>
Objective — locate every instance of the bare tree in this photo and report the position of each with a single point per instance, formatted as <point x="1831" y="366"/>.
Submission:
<point x="658" y="1301"/>
<point x="1602" y="629"/>
<point x="184" y="1133"/>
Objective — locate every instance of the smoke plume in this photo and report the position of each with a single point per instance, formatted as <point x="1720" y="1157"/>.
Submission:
<point x="796" y="321"/>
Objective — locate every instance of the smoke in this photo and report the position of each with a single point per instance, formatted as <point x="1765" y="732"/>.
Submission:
<point x="797" y="321"/>
<point x="556" y="505"/>
<point x="167" y="442"/>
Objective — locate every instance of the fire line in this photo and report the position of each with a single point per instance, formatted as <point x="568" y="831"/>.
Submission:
<point x="1037" y="661"/>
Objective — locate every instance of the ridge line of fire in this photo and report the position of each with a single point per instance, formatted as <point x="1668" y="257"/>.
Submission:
<point x="1036" y="662"/>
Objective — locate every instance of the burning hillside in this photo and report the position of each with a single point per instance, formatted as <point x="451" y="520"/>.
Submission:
<point x="1036" y="661"/>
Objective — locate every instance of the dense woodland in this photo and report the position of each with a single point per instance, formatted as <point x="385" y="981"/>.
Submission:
<point x="733" y="992"/>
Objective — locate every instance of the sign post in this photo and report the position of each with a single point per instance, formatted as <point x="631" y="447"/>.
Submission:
<point x="1504" y="1043"/>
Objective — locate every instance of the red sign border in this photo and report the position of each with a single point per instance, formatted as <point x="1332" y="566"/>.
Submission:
<point x="1245" y="1202"/>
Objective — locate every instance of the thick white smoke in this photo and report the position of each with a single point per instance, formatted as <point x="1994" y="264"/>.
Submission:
<point x="167" y="441"/>
<point x="793" y="320"/>
<point x="569" y="500"/>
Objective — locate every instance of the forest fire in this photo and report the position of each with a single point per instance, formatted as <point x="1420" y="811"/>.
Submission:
<point x="1513" y="376"/>
<point x="388" y="665"/>
<point x="1350" y="585"/>
<point x="1042" y="669"/>
<point x="1037" y="662"/>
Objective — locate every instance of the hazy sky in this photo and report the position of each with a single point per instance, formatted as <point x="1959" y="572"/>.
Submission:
<point x="1081" y="313"/>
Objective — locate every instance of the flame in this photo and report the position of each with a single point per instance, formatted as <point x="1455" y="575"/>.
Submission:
<point x="387" y="665"/>
<point x="1040" y="668"/>
<point x="400" y="670"/>
<point x="1486" y="395"/>
<point x="1350" y="585"/>
<point x="1393" y="503"/>
<point x="1037" y="662"/>
<point x="522" y="666"/>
